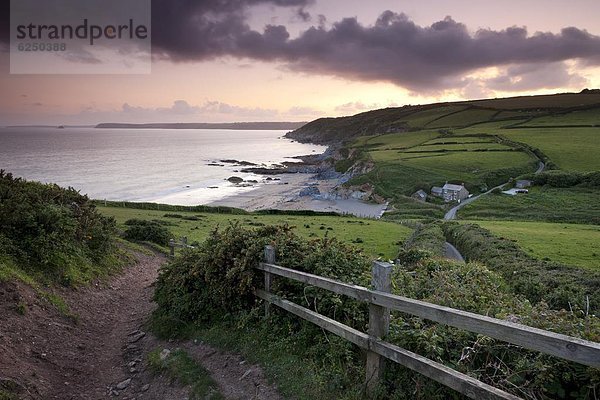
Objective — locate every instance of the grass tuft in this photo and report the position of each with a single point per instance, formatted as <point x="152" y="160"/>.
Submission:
<point x="179" y="366"/>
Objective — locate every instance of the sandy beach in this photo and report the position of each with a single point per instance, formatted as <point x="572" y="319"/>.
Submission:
<point x="285" y="195"/>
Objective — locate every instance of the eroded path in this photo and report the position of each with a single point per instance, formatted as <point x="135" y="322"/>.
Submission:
<point x="101" y="352"/>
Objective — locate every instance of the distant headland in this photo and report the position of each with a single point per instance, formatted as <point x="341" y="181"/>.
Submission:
<point x="226" y="125"/>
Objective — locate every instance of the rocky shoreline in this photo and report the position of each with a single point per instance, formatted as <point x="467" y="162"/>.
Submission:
<point x="312" y="184"/>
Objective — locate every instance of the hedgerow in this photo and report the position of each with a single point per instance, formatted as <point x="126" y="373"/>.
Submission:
<point x="215" y="282"/>
<point x="560" y="286"/>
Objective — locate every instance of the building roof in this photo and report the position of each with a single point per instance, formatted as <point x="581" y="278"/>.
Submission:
<point x="526" y="181"/>
<point x="454" y="188"/>
<point x="436" y="189"/>
<point x="420" y="193"/>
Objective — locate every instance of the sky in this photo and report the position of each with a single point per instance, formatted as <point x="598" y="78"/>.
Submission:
<point x="297" y="60"/>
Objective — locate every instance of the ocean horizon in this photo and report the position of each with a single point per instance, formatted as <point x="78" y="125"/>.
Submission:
<point x="172" y="166"/>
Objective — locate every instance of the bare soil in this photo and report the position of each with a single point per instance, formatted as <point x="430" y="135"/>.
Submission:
<point x="100" y="351"/>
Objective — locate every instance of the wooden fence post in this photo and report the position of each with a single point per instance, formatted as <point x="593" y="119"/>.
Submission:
<point x="269" y="259"/>
<point x="379" y="323"/>
<point x="172" y="246"/>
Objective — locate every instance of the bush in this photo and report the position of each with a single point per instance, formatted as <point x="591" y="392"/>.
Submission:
<point x="147" y="231"/>
<point x="559" y="179"/>
<point x="50" y="229"/>
<point x="218" y="277"/>
<point x="472" y="287"/>
<point x="215" y="282"/>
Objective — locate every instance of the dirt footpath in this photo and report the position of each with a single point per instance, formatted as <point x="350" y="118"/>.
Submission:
<point x="100" y="352"/>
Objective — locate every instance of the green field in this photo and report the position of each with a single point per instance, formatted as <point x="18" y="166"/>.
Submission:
<point x="574" y="149"/>
<point x="528" y="103"/>
<point x="395" y="140"/>
<point x="582" y="117"/>
<point x="570" y="244"/>
<point x="463" y="118"/>
<point x="468" y="165"/>
<point x="569" y="148"/>
<point x="575" y="205"/>
<point x="461" y="139"/>
<point x="406" y="162"/>
<point x="460" y="147"/>
<point x="421" y="119"/>
<point x="377" y="238"/>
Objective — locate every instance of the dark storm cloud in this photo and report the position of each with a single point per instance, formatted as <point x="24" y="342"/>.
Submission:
<point x="204" y="29"/>
<point x="528" y="77"/>
<point x="394" y="49"/>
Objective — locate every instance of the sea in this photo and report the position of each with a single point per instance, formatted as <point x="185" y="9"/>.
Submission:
<point x="172" y="166"/>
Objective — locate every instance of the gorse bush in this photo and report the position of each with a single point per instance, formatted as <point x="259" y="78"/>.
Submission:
<point x="218" y="277"/>
<point x="51" y="230"/>
<point x="215" y="282"/>
<point x="473" y="287"/>
<point x="147" y="231"/>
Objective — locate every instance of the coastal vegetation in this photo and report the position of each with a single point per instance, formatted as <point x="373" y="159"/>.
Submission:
<point x="49" y="234"/>
<point x="207" y="294"/>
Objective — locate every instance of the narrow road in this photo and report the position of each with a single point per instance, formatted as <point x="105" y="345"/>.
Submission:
<point x="450" y="251"/>
<point x="451" y="214"/>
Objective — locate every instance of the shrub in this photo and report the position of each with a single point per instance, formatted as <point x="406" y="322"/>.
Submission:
<point x="557" y="178"/>
<point x="147" y="231"/>
<point x="50" y="229"/>
<point x="215" y="282"/>
<point x="473" y="287"/>
<point x="218" y="277"/>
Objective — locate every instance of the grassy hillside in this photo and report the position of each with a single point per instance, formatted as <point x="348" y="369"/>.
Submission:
<point x="406" y="162"/>
<point x="579" y="106"/>
<point x="570" y="244"/>
<point x="376" y="238"/>
<point x="480" y="143"/>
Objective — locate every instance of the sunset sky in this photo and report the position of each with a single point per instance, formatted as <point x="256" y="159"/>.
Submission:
<point x="297" y="60"/>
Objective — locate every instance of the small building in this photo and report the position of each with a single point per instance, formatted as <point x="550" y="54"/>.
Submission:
<point x="437" y="191"/>
<point x="419" y="195"/>
<point x="451" y="192"/>
<point x="522" y="184"/>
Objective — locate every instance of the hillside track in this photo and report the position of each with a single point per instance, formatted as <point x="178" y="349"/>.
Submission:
<point x="100" y="350"/>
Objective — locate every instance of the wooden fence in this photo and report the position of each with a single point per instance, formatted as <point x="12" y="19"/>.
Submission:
<point x="381" y="302"/>
<point x="182" y="243"/>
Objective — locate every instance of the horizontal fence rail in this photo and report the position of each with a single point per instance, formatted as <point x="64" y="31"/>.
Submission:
<point x="431" y="369"/>
<point x="380" y="303"/>
<point x="183" y="243"/>
<point x="555" y="344"/>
